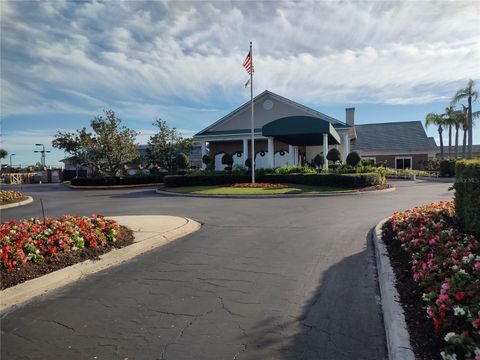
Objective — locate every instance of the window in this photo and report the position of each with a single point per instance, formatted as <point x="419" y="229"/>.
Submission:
<point x="372" y="160"/>
<point x="403" y="162"/>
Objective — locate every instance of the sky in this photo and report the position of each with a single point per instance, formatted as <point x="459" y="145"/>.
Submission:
<point x="63" y="62"/>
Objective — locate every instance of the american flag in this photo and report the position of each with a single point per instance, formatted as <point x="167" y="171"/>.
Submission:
<point x="247" y="64"/>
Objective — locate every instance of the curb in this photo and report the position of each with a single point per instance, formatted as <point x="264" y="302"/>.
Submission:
<point x="279" y="196"/>
<point x="398" y="338"/>
<point x="74" y="187"/>
<point x="19" y="294"/>
<point x="28" y="200"/>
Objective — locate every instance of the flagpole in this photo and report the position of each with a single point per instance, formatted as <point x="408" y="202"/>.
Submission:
<point x="253" y="128"/>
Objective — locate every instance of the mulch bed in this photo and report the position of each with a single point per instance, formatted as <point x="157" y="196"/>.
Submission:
<point x="375" y="187"/>
<point x="32" y="270"/>
<point x="15" y="201"/>
<point x="425" y="346"/>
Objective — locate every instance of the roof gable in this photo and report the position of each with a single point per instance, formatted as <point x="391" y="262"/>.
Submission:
<point x="268" y="106"/>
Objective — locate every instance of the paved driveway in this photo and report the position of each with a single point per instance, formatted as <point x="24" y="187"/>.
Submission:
<point x="263" y="279"/>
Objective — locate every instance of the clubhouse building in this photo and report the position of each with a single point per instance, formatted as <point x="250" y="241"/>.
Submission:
<point x="287" y="132"/>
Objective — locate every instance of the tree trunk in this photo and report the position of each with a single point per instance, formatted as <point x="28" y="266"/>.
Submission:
<point x="456" y="141"/>
<point x="464" y="146"/>
<point x="449" y="141"/>
<point x="470" y="128"/>
<point x="441" y="141"/>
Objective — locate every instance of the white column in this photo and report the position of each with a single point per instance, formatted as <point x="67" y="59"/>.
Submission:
<point x="271" y="153"/>
<point x="325" y="150"/>
<point x="346" y="145"/>
<point x="291" y="155"/>
<point x="245" y="151"/>
<point x="296" y="156"/>
<point x="204" y="152"/>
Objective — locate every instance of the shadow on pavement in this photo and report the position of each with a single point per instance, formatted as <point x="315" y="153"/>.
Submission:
<point x="342" y="320"/>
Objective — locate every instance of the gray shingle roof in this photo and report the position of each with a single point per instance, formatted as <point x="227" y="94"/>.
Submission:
<point x="406" y="136"/>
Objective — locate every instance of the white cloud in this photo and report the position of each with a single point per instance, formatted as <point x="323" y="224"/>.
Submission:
<point x="320" y="52"/>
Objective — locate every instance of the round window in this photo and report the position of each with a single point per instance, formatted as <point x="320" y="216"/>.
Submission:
<point x="268" y="104"/>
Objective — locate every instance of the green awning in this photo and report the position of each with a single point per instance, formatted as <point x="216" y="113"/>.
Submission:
<point x="301" y="131"/>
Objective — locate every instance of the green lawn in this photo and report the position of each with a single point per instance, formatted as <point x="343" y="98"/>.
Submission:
<point x="229" y="190"/>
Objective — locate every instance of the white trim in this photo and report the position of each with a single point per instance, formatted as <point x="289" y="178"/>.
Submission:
<point x="403" y="158"/>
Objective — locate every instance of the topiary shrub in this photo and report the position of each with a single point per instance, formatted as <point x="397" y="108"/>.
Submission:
<point x="227" y="159"/>
<point x="318" y="160"/>
<point x="206" y="160"/>
<point x="447" y="168"/>
<point x="467" y="194"/>
<point x="333" y="155"/>
<point x="182" y="161"/>
<point x="353" y="159"/>
<point x="248" y="163"/>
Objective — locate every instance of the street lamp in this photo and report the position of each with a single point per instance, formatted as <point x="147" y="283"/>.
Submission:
<point x="11" y="161"/>
<point x="43" y="151"/>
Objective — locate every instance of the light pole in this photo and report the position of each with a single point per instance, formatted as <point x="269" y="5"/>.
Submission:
<point x="11" y="161"/>
<point x="43" y="151"/>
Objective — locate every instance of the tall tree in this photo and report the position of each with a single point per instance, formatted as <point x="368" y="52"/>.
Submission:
<point x="465" y="130"/>
<point x="439" y="121"/>
<point x="114" y="143"/>
<point x="79" y="145"/>
<point x="450" y="122"/>
<point x="3" y="154"/>
<point x="458" y="120"/>
<point x="471" y="95"/>
<point x="166" y="144"/>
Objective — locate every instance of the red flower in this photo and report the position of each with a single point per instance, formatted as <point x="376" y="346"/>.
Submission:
<point x="459" y="295"/>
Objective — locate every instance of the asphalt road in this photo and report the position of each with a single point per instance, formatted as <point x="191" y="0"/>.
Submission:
<point x="263" y="279"/>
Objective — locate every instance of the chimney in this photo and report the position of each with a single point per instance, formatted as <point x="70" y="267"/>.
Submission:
<point x="350" y="116"/>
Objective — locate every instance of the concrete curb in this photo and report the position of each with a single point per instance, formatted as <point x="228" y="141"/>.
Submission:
<point x="28" y="200"/>
<point x="398" y="338"/>
<point x="17" y="295"/>
<point x="279" y="196"/>
<point x="76" y="187"/>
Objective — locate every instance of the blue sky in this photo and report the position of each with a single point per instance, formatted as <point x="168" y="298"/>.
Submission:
<point x="63" y="62"/>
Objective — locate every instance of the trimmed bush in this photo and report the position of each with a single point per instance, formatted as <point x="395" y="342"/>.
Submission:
<point x="182" y="161"/>
<point x="333" y="155"/>
<point x="353" y="159"/>
<point x="118" y="180"/>
<point x="318" y="160"/>
<point x="467" y="194"/>
<point x="447" y="168"/>
<point x="335" y="180"/>
<point x="248" y="163"/>
<point x="227" y="159"/>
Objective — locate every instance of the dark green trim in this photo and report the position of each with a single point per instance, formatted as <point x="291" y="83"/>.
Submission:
<point x="301" y="130"/>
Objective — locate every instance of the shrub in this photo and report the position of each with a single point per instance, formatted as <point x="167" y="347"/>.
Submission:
<point x="248" y="163"/>
<point x="467" y="194"/>
<point x="289" y="169"/>
<point x="353" y="159"/>
<point x="333" y="155"/>
<point x="182" y="161"/>
<point x="227" y="159"/>
<point x="318" y="160"/>
<point x="344" y="169"/>
<point x="206" y="160"/>
<point x="368" y="168"/>
<point x="336" y="180"/>
<point x="447" y="168"/>
<point x="118" y="180"/>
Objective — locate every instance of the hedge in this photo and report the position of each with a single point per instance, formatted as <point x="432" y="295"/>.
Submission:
<point x="118" y="180"/>
<point x="337" y="180"/>
<point x="467" y="194"/>
<point x="447" y="168"/>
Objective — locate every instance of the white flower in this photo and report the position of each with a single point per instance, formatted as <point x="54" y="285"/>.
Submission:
<point x="425" y="297"/>
<point x="463" y="272"/>
<point x="448" y="356"/>
<point x="449" y="336"/>
<point x="477" y="351"/>
<point x="455" y="267"/>
<point x="458" y="311"/>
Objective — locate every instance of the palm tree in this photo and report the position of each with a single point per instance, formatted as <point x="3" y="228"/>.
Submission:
<point x="465" y="130"/>
<point x="471" y="95"/>
<point x="439" y="121"/>
<point x="450" y="122"/>
<point x="458" y="120"/>
<point x="3" y="154"/>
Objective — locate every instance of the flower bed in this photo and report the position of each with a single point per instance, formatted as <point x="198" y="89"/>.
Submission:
<point x="444" y="264"/>
<point x="260" y="185"/>
<point x="30" y="248"/>
<point x="10" y="196"/>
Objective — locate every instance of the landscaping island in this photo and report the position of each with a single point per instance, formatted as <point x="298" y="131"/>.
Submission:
<point x="10" y="197"/>
<point x="34" y="247"/>
<point x="435" y="254"/>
